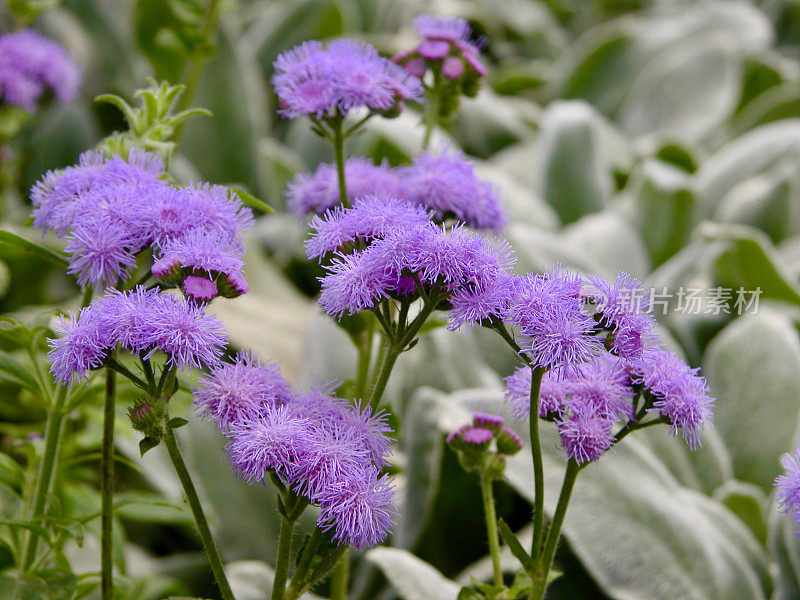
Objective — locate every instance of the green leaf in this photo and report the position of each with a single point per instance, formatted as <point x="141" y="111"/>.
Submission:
<point x="748" y="260"/>
<point x="746" y="500"/>
<point x="753" y="369"/>
<point x="513" y="544"/>
<point x="147" y="443"/>
<point x="411" y="577"/>
<point x="12" y="239"/>
<point x="784" y="548"/>
<point x="176" y="422"/>
<point x="6" y="556"/>
<point x="151" y="508"/>
<point x="14" y="371"/>
<point x="251" y="201"/>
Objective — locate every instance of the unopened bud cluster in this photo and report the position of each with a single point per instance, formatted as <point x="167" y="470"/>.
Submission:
<point x="481" y="446"/>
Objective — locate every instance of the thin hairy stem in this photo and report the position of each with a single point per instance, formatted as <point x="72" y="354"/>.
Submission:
<point x="107" y="491"/>
<point x="340" y="578"/>
<point x="197" y="511"/>
<point x="538" y="466"/>
<point x="490" y="515"/>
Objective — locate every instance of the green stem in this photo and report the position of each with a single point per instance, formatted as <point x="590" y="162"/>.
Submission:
<point x="431" y="110"/>
<point x="364" y="358"/>
<point x="338" y="150"/>
<point x="112" y="363"/>
<point x="340" y="578"/>
<point x="44" y="476"/>
<point x="197" y="511"/>
<point x="298" y="583"/>
<point x="196" y="65"/>
<point x="545" y="562"/>
<point x="282" y="563"/>
<point x="491" y="527"/>
<point x="107" y="491"/>
<point x="538" y="467"/>
<point x="389" y="358"/>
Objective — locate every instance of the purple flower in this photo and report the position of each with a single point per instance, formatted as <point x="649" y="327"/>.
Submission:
<point x="681" y="395"/>
<point x="240" y="392"/>
<point x="447" y="185"/>
<point x="83" y="346"/>
<point x="477" y="436"/>
<point x="602" y="387"/>
<point x="441" y="28"/>
<point x="30" y="63"/>
<point x="141" y="321"/>
<point x="552" y="394"/>
<point x="788" y="486"/>
<point x="554" y="331"/>
<point x="370" y="217"/>
<point x="318" y="191"/>
<point x="623" y="307"/>
<point x="360" y="510"/>
<point x="102" y="252"/>
<point x="489" y="421"/>
<point x="317" y="81"/>
<point x="585" y="436"/>
<point x="478" y="304"/>
<point x="212" y="209"/>
<point x="96" y="186"/>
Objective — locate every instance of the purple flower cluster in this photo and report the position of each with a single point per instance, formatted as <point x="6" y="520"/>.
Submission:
<point x="318" y="81"/>
<point x="322" y="447"/>
<point x="111" y="209"/>
<point x="445" y="185"/>
<point x="446" y="48"/>
<point x="400" y="251"/>
<point x="141" y="321"/>
<point x="472" y="443"/>
<point x="788" y="485"/>
<point x="597" y="345"/>
<point x="31" y="64"/>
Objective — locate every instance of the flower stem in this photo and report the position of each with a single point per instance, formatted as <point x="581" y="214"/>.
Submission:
<point x="545" y="561"/>
<point x="107" y="491"/>
<point x="282" y="563"/>
<point x="538" y="467"/>
<point x="431" y="110"/>
<point x="491" y="527"/>
<point x="44" y="477"/>
<point x="338" y="151"/>
<point x="197" y="511"/>
<point x="340" y="578"/>
<point x="364" y="357"/>
<point x="392" y="352"/>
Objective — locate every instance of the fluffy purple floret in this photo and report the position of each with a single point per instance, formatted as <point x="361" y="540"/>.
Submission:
<point x="681" y="394"/>
<point x="359" y="510"/>
<point x="554" y="331"/>
<point x="447" y="185"/>
<point x="601" y="386"/>
<point x="477" y="436"/>
<point x="97" y="186"/>
<point x="81" y="347"/>
<point x="623" y="308"/>
<point x="199" y="288"/>
<point x="31" y="63"/>
<point x="370" y="217"/>
<point x="240" y="392"/>
<point x="788" y="486"/>
<point x="273" y="442"/>
<point x="199" y="250"/>
<point x="347" y="74"/>
<point x="473" y="305"/>
<point x="318" y="191"/>
<point x="585" y="436"/>
<point x="101" y="253"/>
<point x="552" y="394"/>
<point x="212" y="209"/>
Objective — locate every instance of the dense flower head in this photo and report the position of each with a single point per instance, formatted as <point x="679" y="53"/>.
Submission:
<point x="102" y="253"/>
<point x="482" y="303"/>
<point x="788" y="485"/>
<point x="585" y="435"/>
<point x="477" y="436"/>
<point x="319" y="191"/>
<point x="681" y="395"/>
<point x="552" y="393"/>
<point x="602" y="386"/>
<point x="369" y="218"/>
<point x="447" y="185"/>
<point x="141" y="321"/>
<point x="622" y="307"/>
<point x="30" y="64"/>
<point x="318" y="81"/>
<point x="554" y="330"/>
<point x="487" y="420"/>
<point x="240" y="391"/>
<point x="324" y="448"/>
<point x="408" y="255"/>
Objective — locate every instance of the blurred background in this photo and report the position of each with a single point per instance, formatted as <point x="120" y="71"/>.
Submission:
<point x="661" y="138"/>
